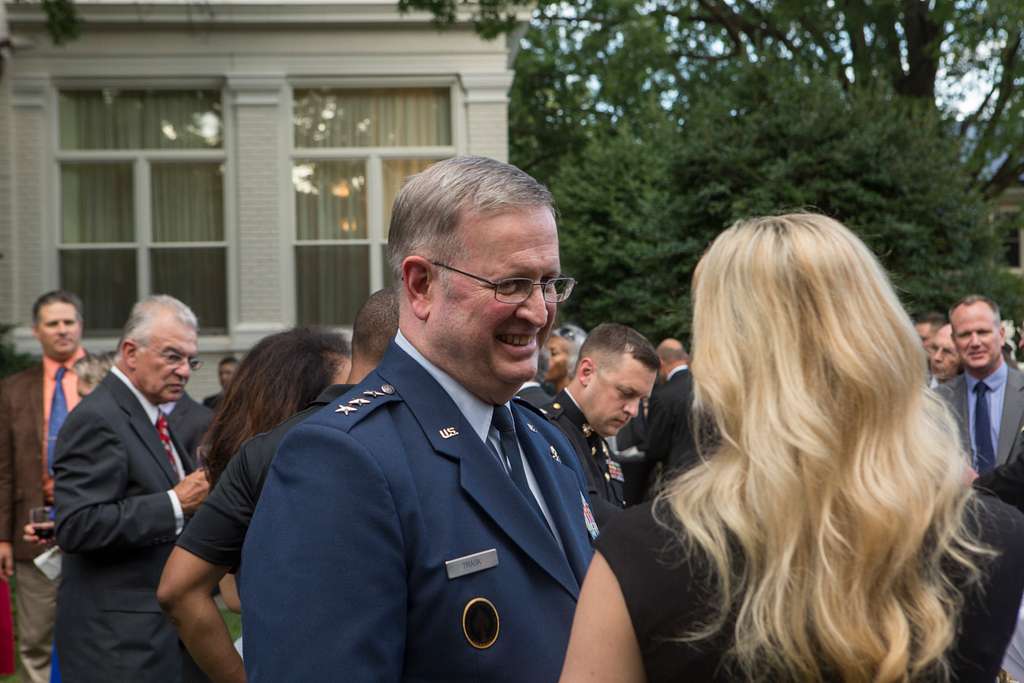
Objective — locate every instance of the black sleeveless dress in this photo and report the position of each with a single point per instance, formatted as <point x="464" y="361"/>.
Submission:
<point x="668" y="592"/>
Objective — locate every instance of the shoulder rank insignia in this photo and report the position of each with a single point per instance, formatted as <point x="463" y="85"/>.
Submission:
<point x="373" y="394"/>
<point x="448" y="432"/>
<point x="345" y="409"/>
<point x="531" y="427"/>
<point x="554" y="455"/>
<point x="360" y="401"/>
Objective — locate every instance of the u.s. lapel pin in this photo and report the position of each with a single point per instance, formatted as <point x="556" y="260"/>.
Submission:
<point x="342" y="408"/>
<point x="448" y="432"/>
<point x="531" y="427"/>
<point x="554" y="455"/>
<point x="360" y="401"/>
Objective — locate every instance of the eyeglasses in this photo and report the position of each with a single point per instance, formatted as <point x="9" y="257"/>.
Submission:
<point x="175" y="359"/>
<point x="516" y="290"/>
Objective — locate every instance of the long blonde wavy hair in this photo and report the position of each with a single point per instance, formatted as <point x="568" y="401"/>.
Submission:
<point x="833" y="506"/>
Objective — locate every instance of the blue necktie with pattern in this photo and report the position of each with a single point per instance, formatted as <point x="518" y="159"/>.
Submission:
<point x="58" y="413"/>
<point x="985" y="457"/>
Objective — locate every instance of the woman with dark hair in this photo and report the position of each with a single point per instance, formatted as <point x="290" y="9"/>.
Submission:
<point x="280" y="376"/>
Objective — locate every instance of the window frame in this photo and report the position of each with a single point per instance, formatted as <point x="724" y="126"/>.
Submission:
<point x="141" y="163"/>
<point x="373" y="157"/>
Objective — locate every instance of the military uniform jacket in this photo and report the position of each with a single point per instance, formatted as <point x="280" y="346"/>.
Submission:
<point x="604" y="475"/>
<point x="389" y="544"/>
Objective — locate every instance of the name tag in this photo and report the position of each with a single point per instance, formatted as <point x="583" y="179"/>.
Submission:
<point x="477" y="562"/>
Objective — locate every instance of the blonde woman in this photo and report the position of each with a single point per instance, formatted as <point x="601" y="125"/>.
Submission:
<point x="830" y="537"/>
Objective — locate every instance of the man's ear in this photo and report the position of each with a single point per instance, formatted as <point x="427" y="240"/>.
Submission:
<point x="420" y="285"/>
<point x="585" y="370"/>
<point x="128" y="353"/>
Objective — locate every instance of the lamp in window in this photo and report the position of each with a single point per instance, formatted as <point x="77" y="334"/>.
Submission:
<point x="341" y="190"/>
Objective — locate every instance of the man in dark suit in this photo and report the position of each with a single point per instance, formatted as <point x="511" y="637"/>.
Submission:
<point x="33" y="407"/>
<point x="226" y="369"/>
<point x="670" y="445"/>
<point x="988" y="398"/>
<point x="425" y="526"/>
<point x="124" y="487"/>
<point x="614" y="373"/>
<point x="189" y="421"/>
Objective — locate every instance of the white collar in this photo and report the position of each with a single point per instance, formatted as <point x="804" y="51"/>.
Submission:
<point x="477" y="413"/>
<point x="151" y="410"/>
<point x="676" y="370"/>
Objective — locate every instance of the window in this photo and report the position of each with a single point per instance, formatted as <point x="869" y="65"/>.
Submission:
<point x="142" y="202"/>
<point x="353" y="149"/>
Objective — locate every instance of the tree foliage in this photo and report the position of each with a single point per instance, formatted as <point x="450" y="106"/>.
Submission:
<point x="10" y="360"/>
<point x="644" y="198"/>
<point x="962" y="59"/>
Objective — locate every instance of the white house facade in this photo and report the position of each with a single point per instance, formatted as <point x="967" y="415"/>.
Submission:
<point x="242" y="156"/>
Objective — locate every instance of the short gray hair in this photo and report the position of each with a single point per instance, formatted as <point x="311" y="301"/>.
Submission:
<point x="432" y="203"/>
<point x="146" y="311"/>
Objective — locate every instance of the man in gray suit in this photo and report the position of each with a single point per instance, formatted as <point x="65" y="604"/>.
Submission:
<point x="123" y="489"/>
<point x="988" y="397"/>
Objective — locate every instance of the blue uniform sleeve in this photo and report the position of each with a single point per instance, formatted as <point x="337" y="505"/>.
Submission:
<point x="323" y="574"/>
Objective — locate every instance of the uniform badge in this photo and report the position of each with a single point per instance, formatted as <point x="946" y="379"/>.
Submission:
<point x="387" y="389"/>
<point x="554" y="455"/>
<point x="360" y="402"/>
<point x="448" y="432"/>
<point x="480" y="623"/>
<point x="556" y="406"/>
<point x="587" y="430"/>
<point x="373" y="394"/>
<point x="588" y="517"/>
<point x="345" y="409"/>
<point x="615" y="470"/>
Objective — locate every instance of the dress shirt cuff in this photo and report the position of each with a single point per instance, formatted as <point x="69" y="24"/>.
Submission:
<point x="179" y="516"/>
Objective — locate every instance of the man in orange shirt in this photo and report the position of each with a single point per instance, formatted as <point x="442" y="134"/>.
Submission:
<point x="33" y="405"/>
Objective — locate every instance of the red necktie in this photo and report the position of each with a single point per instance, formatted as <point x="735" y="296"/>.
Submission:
<point x="165" y="438"/>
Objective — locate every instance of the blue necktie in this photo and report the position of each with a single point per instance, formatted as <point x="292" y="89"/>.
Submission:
<point x="985" y="457"/>
<point x="504" y="423"/>
<point x="58" y="413"/>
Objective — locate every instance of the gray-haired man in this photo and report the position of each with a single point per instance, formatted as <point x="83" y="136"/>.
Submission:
<point x="123" y="488"/>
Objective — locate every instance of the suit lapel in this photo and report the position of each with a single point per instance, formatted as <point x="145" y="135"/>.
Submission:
<point x="963" y="414"/>
<point x="140" y="424"/>
<point x="561" y="491"/>
<point x="1013" y="411"/>
<point x="481" y="476"/>
<point x="35" y="400"/>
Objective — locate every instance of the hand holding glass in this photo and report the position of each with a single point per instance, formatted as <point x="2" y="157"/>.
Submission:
<point x="42" y="521"/>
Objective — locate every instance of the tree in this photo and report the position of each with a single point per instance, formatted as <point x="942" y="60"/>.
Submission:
<point x="643" y="200"/>
<point x="10" y="360"/>
<point x="961" y="59"/>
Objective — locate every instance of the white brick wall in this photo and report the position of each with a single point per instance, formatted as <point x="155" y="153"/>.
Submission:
<point x="259" y="169"/>
<point x="6" y="204"/>
<point x="488" y="129"/>
<point x="30" y="197"/>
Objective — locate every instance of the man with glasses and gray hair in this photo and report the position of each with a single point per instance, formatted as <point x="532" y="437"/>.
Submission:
<point x="426" y="526"/>
<point x="124" y="486"/>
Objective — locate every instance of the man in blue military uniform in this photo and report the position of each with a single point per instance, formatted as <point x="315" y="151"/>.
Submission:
<point x="426" y="527"/>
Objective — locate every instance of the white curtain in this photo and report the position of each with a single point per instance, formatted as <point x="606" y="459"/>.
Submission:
<point x="400" y="117"/>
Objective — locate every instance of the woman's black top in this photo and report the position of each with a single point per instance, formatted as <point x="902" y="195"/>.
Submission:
<point x="668" y="592"/>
